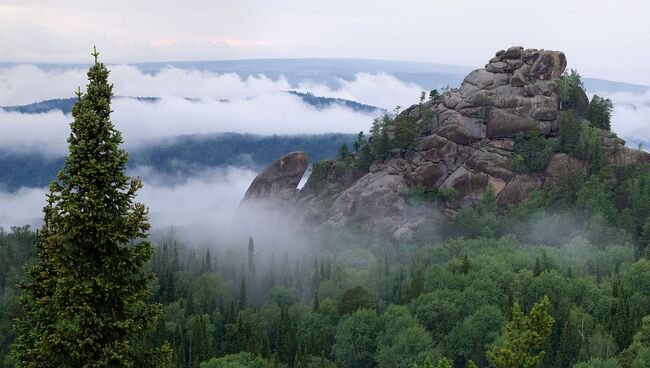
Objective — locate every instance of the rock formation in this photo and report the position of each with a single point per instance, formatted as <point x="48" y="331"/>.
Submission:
<point x="466" y="142"/>
<point x="279" y="181"/>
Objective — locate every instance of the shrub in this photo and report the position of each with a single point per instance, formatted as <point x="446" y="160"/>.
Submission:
<point x="534" y="149"/>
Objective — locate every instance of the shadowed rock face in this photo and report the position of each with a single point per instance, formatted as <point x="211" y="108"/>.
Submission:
<point x="279" y="181"/>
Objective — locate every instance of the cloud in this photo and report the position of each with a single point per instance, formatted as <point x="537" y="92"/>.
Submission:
<point x="377" y="89"/>
<point x="209" y="198"/>
<point x="200" y="209"/>
<point x="631" y="116"/>
<point x="22" y="207"/>
<point x="229" y="103"/>
<point x="24" y="84"/>
<point x="146" y="122"/>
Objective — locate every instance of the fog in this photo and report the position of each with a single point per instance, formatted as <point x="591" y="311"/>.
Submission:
<point x="228" y="103"/>
<point x="631" y="117"/>
<point x="271" y="113"/>
<point x="24" y="84"/>
<point x="208" y="199"/>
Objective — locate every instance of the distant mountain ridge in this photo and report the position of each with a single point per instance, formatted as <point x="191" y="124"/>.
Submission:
<point x="65" y="104"/>
<point x="330" y="71"/>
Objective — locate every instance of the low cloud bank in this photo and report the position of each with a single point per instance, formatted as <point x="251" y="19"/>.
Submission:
<point x="631" y="116"/>
<point x="24" y="84"/>
<point x="206" y="200"/>
<point x="140" y="122"/>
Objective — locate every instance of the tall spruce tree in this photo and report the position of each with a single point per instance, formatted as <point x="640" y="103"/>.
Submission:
<point x="85" y="303"/>
<point x="251" y="259"/>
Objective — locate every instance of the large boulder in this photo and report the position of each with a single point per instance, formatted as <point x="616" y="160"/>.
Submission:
<point x="430" y="174"/>
<point x="469" y="185"/>
<point x="279" y="181"/>
<point x="378" y="202"/>
<point x="560" y="166"/>
<point x="516" y="88"/>
<point x="491" y="163"/>
<point x="518" y="189"/>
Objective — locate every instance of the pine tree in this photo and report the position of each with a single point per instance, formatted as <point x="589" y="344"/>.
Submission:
<point x="417" y="284"/>
<point x="428" y="363"/>
<point x="316" y="307"/>
<point x="85" y="303"/>
<point x="466" y="265"/>
<point x="599" y="112"/>
<point x="569" y="344"/>
<point x="251" y="259"/>
<point x="537" y="268"/>
<point x="243" y="296"/>
<point x="525" y="335"/>
<point x="207" y="263"/>
<point x="344" y="152"/>
<point x="178" y="347"/>
<point x="200" y="350"/>
<point x="443" y="363"/>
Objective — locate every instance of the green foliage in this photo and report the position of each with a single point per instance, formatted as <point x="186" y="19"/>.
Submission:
<point x="403" y="127"/>
<point x="598" y="363"/>
<point x="356" y="339"/>
<point x="444" y="363"/>
<point x="200" y="344"/>
<point x="420" y="194"/>
<point x="525" y="336"/>
<point x="405" y="132"/>
<point x="569" y="134"/>
<point x="590" y="147"/>
<point x="470" y="339"/>
<point x="344" y="153"/>
<point x="319" y="169"/>
<point x="434" y="94"/>
<point x="403" y="341"/>
<point x="534" y="149"/>
<point x="352" y="300"/>
<point x="599" y="112"/>
<point x="240" y="360"/>
<point x="482" y="220"/>
<point x="570" y="90"/>
<point x="85" y="301"/>
<point x="365" y="158"/>
<point x="518" y="164"/>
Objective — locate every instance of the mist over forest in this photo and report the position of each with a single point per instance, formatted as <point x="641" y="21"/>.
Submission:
<point x="246" y="185"/>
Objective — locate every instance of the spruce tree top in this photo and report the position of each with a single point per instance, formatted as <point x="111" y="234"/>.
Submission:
<point x="86" y="301"/>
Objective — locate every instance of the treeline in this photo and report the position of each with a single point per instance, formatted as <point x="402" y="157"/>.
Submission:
<point x="356" y="302"/>
<point x="182" y="155"/>
<point x="17" y="249"/>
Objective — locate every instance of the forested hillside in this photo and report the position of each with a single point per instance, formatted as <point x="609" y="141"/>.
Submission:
<point x="356" y="301"/>
<point x="181" y="155"/>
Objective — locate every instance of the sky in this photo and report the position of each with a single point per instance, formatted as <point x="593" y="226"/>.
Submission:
<point x="603" y="39"/>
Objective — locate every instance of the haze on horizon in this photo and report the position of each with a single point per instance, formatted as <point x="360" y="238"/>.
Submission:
<point x="602" y="39"/>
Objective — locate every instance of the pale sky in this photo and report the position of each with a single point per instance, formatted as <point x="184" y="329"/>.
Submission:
<point x="602" y="39"/>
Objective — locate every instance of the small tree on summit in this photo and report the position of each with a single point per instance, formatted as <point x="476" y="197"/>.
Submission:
<point x="599" y="112"/>
<point x="85" y="304"/>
